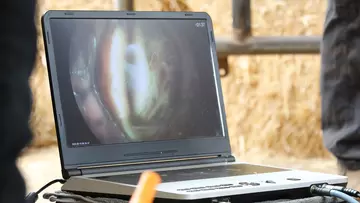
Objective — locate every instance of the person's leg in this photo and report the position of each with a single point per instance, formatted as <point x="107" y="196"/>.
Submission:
<point x="17" y="56"/>
<point x="340" y="85"/>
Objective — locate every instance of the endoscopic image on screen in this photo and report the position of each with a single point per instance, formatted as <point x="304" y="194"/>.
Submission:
<point x="143" y="80"/>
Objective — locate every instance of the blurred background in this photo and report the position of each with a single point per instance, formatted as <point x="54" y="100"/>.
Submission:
<point x="270" y="84"/>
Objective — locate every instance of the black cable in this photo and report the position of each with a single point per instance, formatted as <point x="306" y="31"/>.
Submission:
<point x="332" y="193"/>
<point x="348" y="191"/>
<point x="33" y="196"/>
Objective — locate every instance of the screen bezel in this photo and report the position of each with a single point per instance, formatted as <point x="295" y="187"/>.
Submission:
<point x="118" y="153"/>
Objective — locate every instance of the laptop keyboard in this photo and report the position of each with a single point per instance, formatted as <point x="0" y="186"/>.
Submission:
<point x="198" y="174"/>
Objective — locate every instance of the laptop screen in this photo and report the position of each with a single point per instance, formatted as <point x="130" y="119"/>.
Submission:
<point x="135" y="80"/>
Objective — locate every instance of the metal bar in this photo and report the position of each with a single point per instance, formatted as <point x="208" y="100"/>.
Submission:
<point x="241" y="14"/>
<point x="125" y="5"/>
<point x="268" y="45"/>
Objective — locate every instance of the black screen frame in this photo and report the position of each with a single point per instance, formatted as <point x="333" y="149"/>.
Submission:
<point x="130" y="152"/>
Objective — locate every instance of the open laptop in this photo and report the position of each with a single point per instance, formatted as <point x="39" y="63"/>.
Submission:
<point x="135" y="91"/>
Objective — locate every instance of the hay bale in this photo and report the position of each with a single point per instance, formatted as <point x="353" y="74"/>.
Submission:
<point x="174" y="5"/>
<point x="286" y="87"/>
<point x="277" y="102"/>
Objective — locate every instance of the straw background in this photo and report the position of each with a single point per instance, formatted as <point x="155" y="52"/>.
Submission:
<point x="272" y="102"/>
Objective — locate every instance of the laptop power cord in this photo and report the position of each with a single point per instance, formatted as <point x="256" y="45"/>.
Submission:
<point x="342" y="193"/>
<point x="32" y="197"/>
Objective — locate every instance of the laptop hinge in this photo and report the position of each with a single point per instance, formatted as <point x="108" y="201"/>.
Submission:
<point x="229" y="158"/>
<point x="71" y="172"/>
<point x="111" y="168"/>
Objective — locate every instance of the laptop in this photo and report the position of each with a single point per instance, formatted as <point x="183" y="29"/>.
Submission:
<point x="137" y="91"/>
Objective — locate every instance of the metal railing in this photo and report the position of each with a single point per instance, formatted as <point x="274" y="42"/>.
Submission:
<point x="243" y="43"/>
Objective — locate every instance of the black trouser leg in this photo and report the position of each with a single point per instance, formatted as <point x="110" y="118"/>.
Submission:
<point x="340" y="81"/>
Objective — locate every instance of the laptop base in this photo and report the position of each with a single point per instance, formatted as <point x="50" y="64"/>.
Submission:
<point x="292" y="194"/>
<point x="255" y="180"/>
